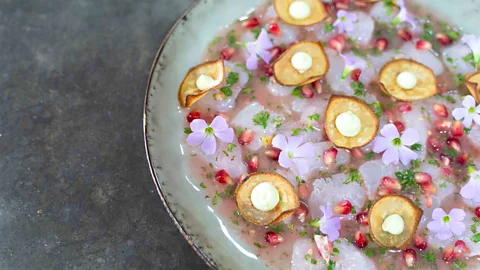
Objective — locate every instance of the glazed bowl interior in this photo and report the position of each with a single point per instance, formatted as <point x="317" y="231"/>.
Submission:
<point x="164" y="124"/>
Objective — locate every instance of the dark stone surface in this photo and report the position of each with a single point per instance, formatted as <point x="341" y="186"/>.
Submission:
<point x="75" y="189"/>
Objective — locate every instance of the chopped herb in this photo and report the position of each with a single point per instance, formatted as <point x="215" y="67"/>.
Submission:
<point x="247" y="91"/>
<point x="242" y="65"/>
<point x="232" y="39"/>
<point x="232" y="78"/>
<point x="354" y="176"/>
<point x="299" y="180"/>
<point x="256" y="32"/>
<point x="261" y="119"/>
<point x="358" y="53"/>
<point x="427" y="31"/>
<point x="314" y="117"/>
<point x="416" y="147"/>
<point x="313" y="261"/>
<point x="449" y="99"/>
<point x="377" y="108"/>
<point x="290" y="227"/>
<point x="214" y="200"/>
<point x="450" y="152"/>
<point x="459" y="264"/>
<point x="302" y="233"/>
<point x="226" y="91"/>
<point x="459" y="79"/>
<point x="187" y="130"/>
<point x="475" y="238"/>
<point x="353" y="211"/>
<point x="331" y="265"/>
<point x="469" y="59"/>
<point x="258" y="245"/>
<point x="278" y="228"/>
<point x="315" y="223"/>
<point x="297" y="92"/>
<point x="214" y="41"/>
<point x="369" y="156"/>
<point x="309" y="128"/>
<point x="231" y="146"/>
<point x="307" y="257"/>
<point x="442" y="185"/>
<point x="264" y="79"/>
<point x="450" y="60"/>
<point x="378" y="33"/>
<point x="236" y="213"/>
<point x="238" y="130"/>
<point x="383" y="251"/>
<point x="406" y="178"/>
<point x="370" y="253"/>
<point x="368" y="205"/>
<point x="336" y="251"/>
<point x="327" y="28"/>
<point x="452" y="34"/>
<point x="358" y="88"/>
<point x="203" y="185"/>
<point x="209" y="175"/>
<point x="296" y="131"/>
<point x="391" y="266"/>
<point x="467" y="130"/>
<point x="225" y="153"/>
<point x="473" y="228"/>
<point x="429" y="257"/>
<point x="434" y="162"/>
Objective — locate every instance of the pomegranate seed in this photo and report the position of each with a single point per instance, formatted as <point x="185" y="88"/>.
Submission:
<point x="389" y="183"/>
<point x="273" y="154"/>
<point x="341" y="6"/>
<point x="445" y="160"/>
<point x="275" y="52"/>
<point x="242" y="177"/>
<point x="477" y="211"/>
<point x="410" y="257"/>
<point x="385" y="191"/>
<point x="460" y="248"/>
<point x="251" y="23"/>
<point x="344" y="207"/>
<point x="355" y="75"/>
<point x="362" y="218"/>
<point x="429" y="188"/>
<point x="423" y="45"/>
<point x="223" y="177"/>
<point x="462" y="159"/>
<point x="444" y="39"/>
<point x="318" y="86"/>
<point x="302" y="212"/>
<point x="246" y="137"/>
<point x="457" y="129"/>
<point x="325" y="247"/>
<point x="400" y="126"/>
<point x="447" y="171"/>
<point x="434" y="144"/>
<point x="440" y="110"/>
<point x="357" y="153"/>
<point x="337" y="43"/>
<point x="227" y="53"/>
<point x="405" y="35"/>
<point x="381" y="44"/>
<point x="268" y="70"/>
<point x="329" y="156"/>
<point x="274" y="29"/>
<point x="422" y="178"/>
<point x="454" y="143"/>
<point x="307" y="91"/>
<point x="420" y="242"/>
<point x="448" y="255"/>
<point x="328" y="7"/>
<point x="404" y="107"/>
<point x="273" y="238"/>
<point x="428" y="200"/>
<point x="442" y="125"/>
<point x="360" y="240"/>
<point x="303" y="191"/>
<point x="252" y="164"/>
<point x="360" y="4"/>
<point x="195" y="114"/>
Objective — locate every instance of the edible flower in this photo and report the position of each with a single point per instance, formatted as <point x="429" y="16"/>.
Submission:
<point x="260" y="48"/>
<point x="445" y="226"/>
<point x="328" y="225"/>
<point x="352" y="63"/>
<point x="468" y="113"/>
<point x="403" y="15"/>
<point x="345" y="20"/>
<point x="395" y="146"/>
<point x="293" y="153"/>
<point x="206" y="134"/>
<point x="472" y="189"/>
<point x="474" y="43"/>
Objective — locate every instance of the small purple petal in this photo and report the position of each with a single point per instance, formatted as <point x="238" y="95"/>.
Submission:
<point x="302" y="165"/>
<point x="438" y="214"/>
<point x="477" y="109"/>
<point x="349" y="26"/>
<point x="401" y="4"/>
<point x="380" y="144"/>
<point x="263" y="42"/>
<point x="251" y="48"/>
<point x="435" y="226"/>
<point x="252" y="62"/>
<point x="352" y="17"/>
<point x="341" y="13"/>
<point x="459" y="113"/>
<point x="477" y="195"/>
<point x="195" y="139"/>
<point x="294" y="142"/>
<point x="467" y="121"/>
<point x="457" y="227"/>
<point x="476" y="118"/>
<point x="219" y="124"/>
<point x="390" y="132"/>
<point x="468" y="102"/>
<point x="468" y="191"/>
<point x="209" y="145"/>
<point x="225" y="136"/>
<point x="327" y="211"/>
<point x="305" y="151"/>
<point x="265" y="55"/>
<point x="284" y="160"/>
<point x="444" y="235"/>
<point x="390" y="156"/>
<point x="332" y="233"/>
<point x="280" y="142"/>
<point x="198" y="125"/>
<point x="406" y="155"/>
<point x="457" y="214"/>
<point x="410" y="136"/>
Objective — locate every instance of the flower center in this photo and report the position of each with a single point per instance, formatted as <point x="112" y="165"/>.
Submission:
<point x="290" y="155"/>
<point x="397" y="142"/>
<point x="342" y="19"/>
<point x="209" y="131"/>
<point x="471" y="110"/>
<point x="446" y="219"/>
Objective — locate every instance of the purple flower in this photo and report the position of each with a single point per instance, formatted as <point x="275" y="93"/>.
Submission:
<point x="474" y="43"/>
<point x="329" y="225"/>
<point x="345" y="21"/>
<point x="446" y="225"/>
<point x="259" y="48"/>
<point x="352" y="63"/>
<point x="472" y="189"/>
<point x="293" y="153"/>
<point x="395" y="147"/>
<point x="205" y="134"/>
<point x="403" y="15"/>
<point x="468" y="113"/>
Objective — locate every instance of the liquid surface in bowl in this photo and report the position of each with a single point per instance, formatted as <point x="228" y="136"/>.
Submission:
<point x="414" y="133"/>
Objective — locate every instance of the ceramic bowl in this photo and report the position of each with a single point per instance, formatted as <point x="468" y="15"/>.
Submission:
<point x="217" y="244"/>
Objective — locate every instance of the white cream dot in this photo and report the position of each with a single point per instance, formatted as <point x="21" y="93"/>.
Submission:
<point x="406" y="80"/>
<point x="299" y="10"/>
<point x="265" y="196"/>
<point x="301" y="61"/>
<point x="348" y="124"/>
<point x="205" y="82"/>
<point x="393" y="224"/>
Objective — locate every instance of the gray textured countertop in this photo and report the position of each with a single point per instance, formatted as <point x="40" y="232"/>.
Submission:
<point x="75" y="189"/>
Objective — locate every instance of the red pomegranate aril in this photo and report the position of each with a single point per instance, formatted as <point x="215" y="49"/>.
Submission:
<point x="273" y="238"/>
<point x="457" y="129"/>
<point x="462" y="159"/>
<point x="227" y="53"/>
<point x="460" y="249"/>
<point x="329" y="156"/>
<point x="404" y="107"/>
<point x="360" y="239"/>
<point x="444" y="39"/>
<point x="362" y="218"/>
<point x="448" y="255"/>
<point x="223" y="177"/>
<point x="405" y="35"/>
<point x="385" y="191"/>
<point x="195" y="114"/>
<point x="454" y="143"/>
<point x="446" y="171"/>
<point x="341" y="5"/>
<point x="268" y="70"/>
<point x="360" y="4"/>
<point x="275" y="52"/>
<point x="409" y="257"/>
<point x="422" y="178"/>
<point x="445" y="160"/>
<point x="357" y="153"/>
<point x="317" y="85"/>
<point x="434" y="144"/>
<point x="337" y="43"/>
<point x="420" y="242"/>
<point x="390" y="183"/>
<point x="307" y="91"/>
<point x="442" y="125"/>
<point x="343" y="208"/>
<point x="252" y="164"/>
<point x="400" y="126"/>
<point x="477" y="211"/>
<point x="381" y="44"/>
<point x="273" y="154"/>
<point x="246" y="137"/>
<point x="428" y="200"/>
<point x="328" y="7"/>
<point x="303" y="191"/>
<point x="440" y="110"/>
<point x="274" y="29"/>
<point x="251" y="23"/>
<point x="423" y="45"/>
<point x="429" y="188"/>
<point x="302" y="212"/>
<point x="355" y="75"/>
